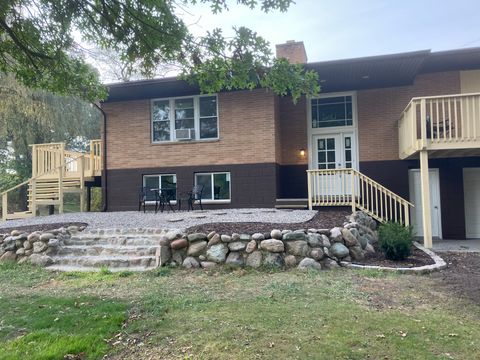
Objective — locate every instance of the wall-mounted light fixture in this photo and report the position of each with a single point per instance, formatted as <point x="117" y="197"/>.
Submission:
<point x="302" y="152"/>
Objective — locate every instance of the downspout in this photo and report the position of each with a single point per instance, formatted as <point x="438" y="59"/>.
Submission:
<point x="104" y="166"/>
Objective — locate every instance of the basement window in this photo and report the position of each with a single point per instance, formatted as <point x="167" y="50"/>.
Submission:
<point x="216" y="186"/>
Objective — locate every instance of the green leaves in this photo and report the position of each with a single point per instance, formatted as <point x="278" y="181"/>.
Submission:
<point x="41" y="44"/>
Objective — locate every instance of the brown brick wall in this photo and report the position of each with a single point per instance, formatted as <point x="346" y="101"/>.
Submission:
<point x="293" y="131"/>
<point x="379" y="110"/>
<point x="246" y="129"/>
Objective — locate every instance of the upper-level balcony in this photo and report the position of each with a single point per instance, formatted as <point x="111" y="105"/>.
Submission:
<point x="446" y="125"/>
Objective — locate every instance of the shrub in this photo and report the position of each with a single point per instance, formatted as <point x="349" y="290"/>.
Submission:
<point x="395" y="240"/>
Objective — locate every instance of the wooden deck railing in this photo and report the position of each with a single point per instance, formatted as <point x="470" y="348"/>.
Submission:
<point x="440" y="123"/>
<point x="54" y="172"/>
<point x="349" y="187"/>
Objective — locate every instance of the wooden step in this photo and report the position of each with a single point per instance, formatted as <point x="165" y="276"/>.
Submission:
<point x="19" y="215"/>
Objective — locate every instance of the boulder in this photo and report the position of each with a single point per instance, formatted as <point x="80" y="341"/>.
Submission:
<point x="210" y="235"/>
<point x="314" y="240"/>
<point x="27" y="245"/>
<point x="191" y="263"/>
<point x="329" y="264"/>
<point x="356" y="252"/>
<point x="273" y="260"/>
<point x="226" y="238"/>
<point x="217" y="253"/>
<point x="39" y="246"/>
<point x="258" y="237"/>
<point x="173" y="234"/>
<point x="254" y="259"/>
<point x="20" y="252"/>
<point x="164" y="255"/>
<point x="40" y="260"/>
<point x="215" y="239"/>
<point x="197" y="237"/>
<point x="290" y="261"/>
<point x="9" y="244"/>
<point x="293" y="236"/>
<point x="197" y="248"/>
<point x="18" y="244"/>
<point x="251" y="246"/>
<point x="15" y="232"/>
<point x="339" y="250"/>
<point x="348" y="238"/>
<point x="237" y="246"/>
<point x="325" y="232"/>
<point x="235" y="259"/>
<point x="363" y="240"/>
<point x="272" y="245"/>
<point x="336" y="235"/>
<point x="179" y="244"/>
<point x="8" y="256"/>
<point x="297" y="248"/>
<point x="317" y="254"/>
<point x="235" y="237"/>
<point x="276" y="234"/>
<point x="308" y="263"/>
<point x="208" y="264"/>
<point x="72" y="229"/>
<point x="179" y="255"/>
<point x="326" y="241"/>
<point x="52" y="243"/>
<point x="46" y="236"/>
<point x="164" y="241"/>
<point x="245" y="237"/>
<point x="35" y="236"/>
<point x="369" y="249"/>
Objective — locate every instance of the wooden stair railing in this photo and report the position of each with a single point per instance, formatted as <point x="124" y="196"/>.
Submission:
<point x="55" y="172"/>
<point x="349" y="187"/>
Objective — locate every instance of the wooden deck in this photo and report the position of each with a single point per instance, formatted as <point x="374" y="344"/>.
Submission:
<point x="55" y="172"/>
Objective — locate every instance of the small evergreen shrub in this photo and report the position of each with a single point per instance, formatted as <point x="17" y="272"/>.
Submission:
<point x="395" y="240"/>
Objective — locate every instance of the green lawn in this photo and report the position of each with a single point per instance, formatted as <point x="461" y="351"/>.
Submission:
<point x="232" y="314"/>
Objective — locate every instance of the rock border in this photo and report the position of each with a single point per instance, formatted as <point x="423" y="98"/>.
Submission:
<point x="440" y="264"/>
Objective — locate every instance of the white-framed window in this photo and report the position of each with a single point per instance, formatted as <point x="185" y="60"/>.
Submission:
<point x="159" y="181"/>
<point x="184" y="118"/>
<point x="332" y="111"/>
<point x="216" y="186"/>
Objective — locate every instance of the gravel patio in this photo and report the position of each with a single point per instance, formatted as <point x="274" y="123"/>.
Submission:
<point x="171" y="220"/>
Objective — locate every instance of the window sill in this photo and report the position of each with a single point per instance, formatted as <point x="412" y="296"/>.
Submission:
<point x="152" y="202"/>
<point x="183" y="142"/>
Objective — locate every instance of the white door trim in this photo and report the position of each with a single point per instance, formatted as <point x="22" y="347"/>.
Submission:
<point x="435" y="189"/>
<point x="469" y="232"/>
<point x="337" y="130"/>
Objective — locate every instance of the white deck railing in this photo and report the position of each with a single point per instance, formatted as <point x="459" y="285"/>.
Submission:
<point x="440" y="123"/>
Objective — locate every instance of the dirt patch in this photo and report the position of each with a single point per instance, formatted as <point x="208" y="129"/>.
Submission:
<point x="462" y="275"/>
<point x="324" y="219"/>
<point x="40" y="227"/>
<point x="417" y="258"/>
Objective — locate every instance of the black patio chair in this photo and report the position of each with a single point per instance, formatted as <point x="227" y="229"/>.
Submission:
<point x="191" y="196"/>
<point x="166" y="197"/>
<point x="143" y="197"/>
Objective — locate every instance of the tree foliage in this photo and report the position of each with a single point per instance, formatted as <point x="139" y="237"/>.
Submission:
<point x="34" y="116"/>
<point x="37" y="45"/>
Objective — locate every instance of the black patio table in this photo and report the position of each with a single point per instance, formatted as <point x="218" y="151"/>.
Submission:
<point x="166" y="196"/>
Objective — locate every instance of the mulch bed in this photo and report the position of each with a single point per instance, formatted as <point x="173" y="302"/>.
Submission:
<point x="417" y="258"/>
<point x="325" y="219"/>
<point x="40" y="227"/>
<point x="462" y="275"/>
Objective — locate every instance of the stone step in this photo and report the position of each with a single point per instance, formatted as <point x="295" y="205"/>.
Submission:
<point x="109" y="261"/>
<point x="118" y="241"/>
<point x="89" y="269"/>
<point x="95" y="250"/>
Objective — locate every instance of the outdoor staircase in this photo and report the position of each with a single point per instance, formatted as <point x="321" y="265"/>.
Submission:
<point x="55" y="172"/>
<point x="88" y="251"/>
<point x="349" y="187"/>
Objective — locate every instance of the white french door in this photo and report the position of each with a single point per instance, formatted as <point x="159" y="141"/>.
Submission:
<point x="334" y="151"/>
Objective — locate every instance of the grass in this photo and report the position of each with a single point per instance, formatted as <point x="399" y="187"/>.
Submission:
<point x="232" y="314"/>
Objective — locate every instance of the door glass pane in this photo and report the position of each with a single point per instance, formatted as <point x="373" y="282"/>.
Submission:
<point x="221" y="186"/>
<point x="326" y="153"/>
<point x="206" y="181"/>
<point x="331" y="166"/>
<point x="321" y="144"/>
<point x="322" y="156"/>
<point x="330" y="143"/>
<point x="331" y="156"/>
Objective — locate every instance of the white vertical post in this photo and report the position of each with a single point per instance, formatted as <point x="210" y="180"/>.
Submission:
<point x="82" y="182"/>
<point x="352" y="179"/>
<point x="310" y="192"/>
<point x="4" y="206"/>
<point x="425" y="187"/>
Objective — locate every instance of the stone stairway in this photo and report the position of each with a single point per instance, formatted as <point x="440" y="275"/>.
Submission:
<point x="92" y="250"/>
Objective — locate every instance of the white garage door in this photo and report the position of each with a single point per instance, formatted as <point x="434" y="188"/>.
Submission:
<point x="471" y="189"/>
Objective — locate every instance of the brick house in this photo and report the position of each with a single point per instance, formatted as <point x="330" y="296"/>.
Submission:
<point x="383" y="116"/>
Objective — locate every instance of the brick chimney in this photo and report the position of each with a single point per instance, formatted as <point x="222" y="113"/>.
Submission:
<point x="293" y="51"/>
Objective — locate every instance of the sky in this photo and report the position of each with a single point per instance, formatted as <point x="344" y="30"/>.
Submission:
<point x="337" y="29"/>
